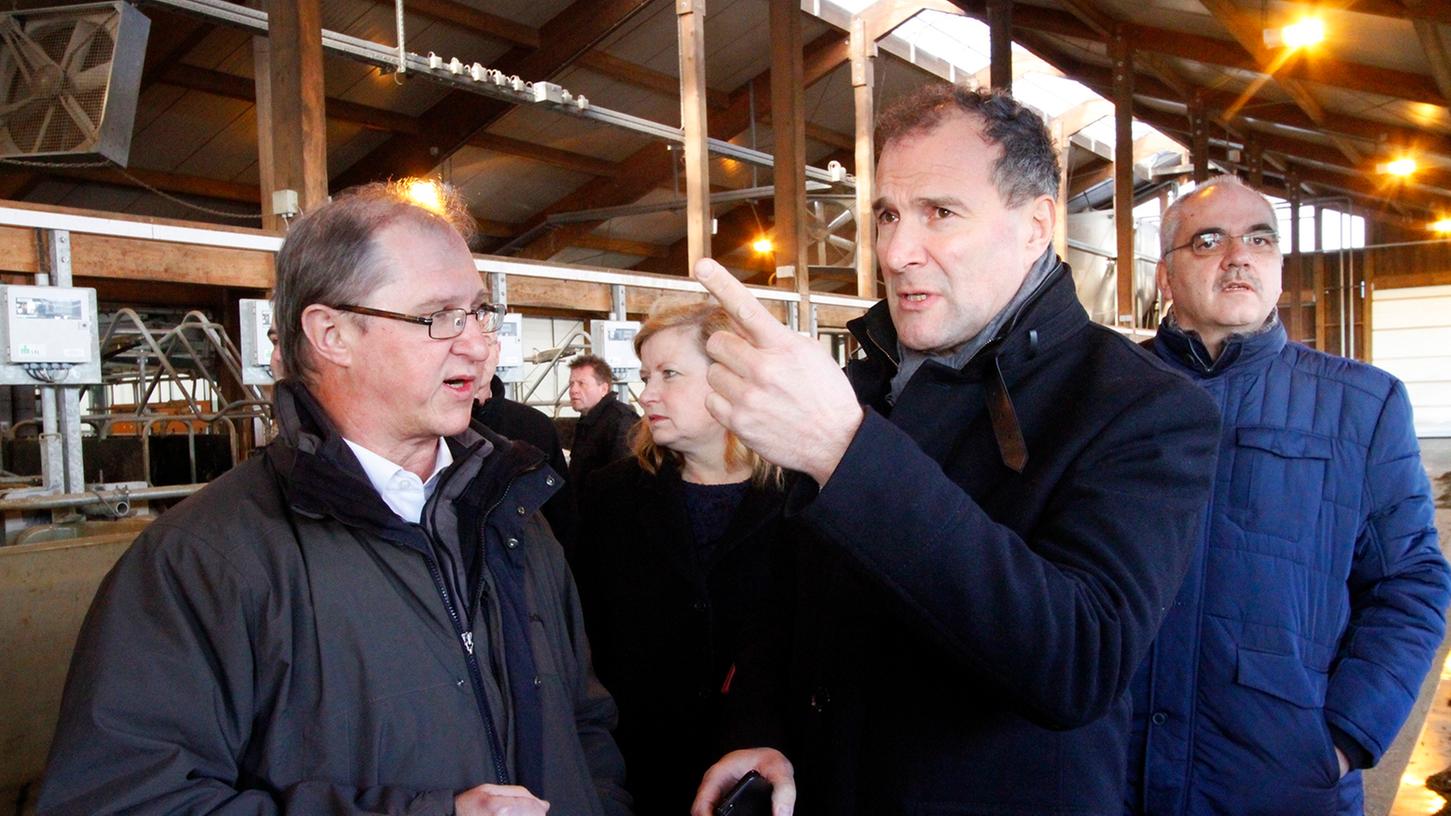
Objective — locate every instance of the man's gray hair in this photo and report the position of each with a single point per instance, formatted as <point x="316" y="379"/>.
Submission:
<point x="1028" y="167"/>
<point x="1169" y="224"/>
<point x="330" y="256"/>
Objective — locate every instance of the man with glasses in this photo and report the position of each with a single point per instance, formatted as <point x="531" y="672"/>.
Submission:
<point x="1313" y="606"/>
<point x="369" y="617"/>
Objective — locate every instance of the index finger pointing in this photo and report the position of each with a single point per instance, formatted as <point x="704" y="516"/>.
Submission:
<point x="757" y="324"/>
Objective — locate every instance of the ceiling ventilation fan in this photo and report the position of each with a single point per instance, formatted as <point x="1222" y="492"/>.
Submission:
<point x="69" y="79"/>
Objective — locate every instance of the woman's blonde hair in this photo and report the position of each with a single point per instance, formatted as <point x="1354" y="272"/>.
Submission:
<point x="707" y="318"/>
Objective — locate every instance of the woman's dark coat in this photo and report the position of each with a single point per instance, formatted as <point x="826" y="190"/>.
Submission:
<point x="665" y="628"/>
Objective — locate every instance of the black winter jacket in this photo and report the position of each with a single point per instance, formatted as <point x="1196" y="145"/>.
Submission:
<point x="665" y="627"/>
<point x="601" y="436"/>
<point x="965" y="633"/>
<point x="525" y="423"/>
<point x="279" y="643"/>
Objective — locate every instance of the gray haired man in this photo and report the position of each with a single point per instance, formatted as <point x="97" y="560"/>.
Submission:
<point x="371" y="616"/>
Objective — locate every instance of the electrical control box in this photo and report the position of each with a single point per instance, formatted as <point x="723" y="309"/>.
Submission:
<point x="614" y="342"/>
<point x="257" y="342"/>
<point x="511" y="349"/>
<point x="50" y="336"/>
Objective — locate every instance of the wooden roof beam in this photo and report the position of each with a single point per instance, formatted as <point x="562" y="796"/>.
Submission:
<point x="1214" y="51"/>
<point x="621" y="246"/>
<point x="1430" y="35"/>
<point x="474" y="21"/>
<point x="174" y="183"/>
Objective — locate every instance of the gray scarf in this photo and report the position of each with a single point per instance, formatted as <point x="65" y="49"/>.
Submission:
<point x="959" y="357"/>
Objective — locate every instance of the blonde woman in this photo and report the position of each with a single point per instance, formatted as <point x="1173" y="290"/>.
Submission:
<point x="676" y="549"/>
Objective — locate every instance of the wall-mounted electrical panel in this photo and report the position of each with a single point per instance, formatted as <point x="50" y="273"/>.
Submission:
<point x="511" y="349"/>
<point x="257" y="342"/>
<point x="614" y="342"/>
<point x="50" y="336"/>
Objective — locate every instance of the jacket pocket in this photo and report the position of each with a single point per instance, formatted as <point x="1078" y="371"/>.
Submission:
<point x="1278" y="481"/>
<point x="1297" y="733"/>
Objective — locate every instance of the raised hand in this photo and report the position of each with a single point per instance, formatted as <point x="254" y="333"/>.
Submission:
<point x="780" y="392"/>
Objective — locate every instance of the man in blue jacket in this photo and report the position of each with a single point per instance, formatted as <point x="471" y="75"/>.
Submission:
<point x="1003" y="498"/>
<point x="1313" y="607"/>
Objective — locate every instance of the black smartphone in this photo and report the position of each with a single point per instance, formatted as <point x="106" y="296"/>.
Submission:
<point x="751" y="796"/>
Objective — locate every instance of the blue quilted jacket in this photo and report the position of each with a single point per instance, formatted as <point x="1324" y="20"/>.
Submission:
<point x="1312" y="609"/>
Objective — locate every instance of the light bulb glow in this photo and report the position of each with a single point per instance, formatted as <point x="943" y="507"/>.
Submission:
<point x="1303" y="33"/>
<point x="763" y="245"/>
<point x="427" y="194"/>
<point x="1402" y="167"/>
<point x="1442" y="226"/>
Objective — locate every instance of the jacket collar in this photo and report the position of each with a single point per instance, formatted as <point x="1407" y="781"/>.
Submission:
<point x="1048" y="317"/>
<point x="320" y="477"/>
<point x="593" y="414"/>
<point x="1186" y="351"/>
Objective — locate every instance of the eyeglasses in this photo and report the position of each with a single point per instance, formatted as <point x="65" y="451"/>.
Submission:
<point x="446" y="324"/>
<point x="1212" y="242"/>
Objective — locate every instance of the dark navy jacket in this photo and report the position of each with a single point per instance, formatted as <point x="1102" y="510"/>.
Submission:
<point x="1312" y="610"/>
<point x="966" y="630"/>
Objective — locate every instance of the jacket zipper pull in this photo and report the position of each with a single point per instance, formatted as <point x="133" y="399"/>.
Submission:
<point x="468" y="639"/>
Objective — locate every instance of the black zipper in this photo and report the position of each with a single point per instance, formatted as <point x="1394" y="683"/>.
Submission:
<point x="465" y="637"/>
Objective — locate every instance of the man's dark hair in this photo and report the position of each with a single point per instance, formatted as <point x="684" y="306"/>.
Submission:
<point x="330" y="255"/>
<point x="600" y="368"/>
<point x="1028" y="167"/>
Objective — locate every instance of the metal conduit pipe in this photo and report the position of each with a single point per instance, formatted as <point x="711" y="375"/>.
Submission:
<point x="115" y="498"/>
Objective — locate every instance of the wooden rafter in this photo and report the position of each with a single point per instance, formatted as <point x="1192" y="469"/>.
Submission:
<point x="1213" y="51"/>
<point x="476" y="21"/>
<point x="1429" y="34"/>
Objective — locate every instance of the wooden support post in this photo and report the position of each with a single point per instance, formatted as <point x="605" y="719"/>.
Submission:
<point x="788" y="122"/>
<point x="863" y="82"/>
<point x="1123" y="176"/>
<point x="1000" y="44"/>
<point x="296" y="103"/>
<point x="1199" y="136"/>
<point x="690" y="25"/>
<point x="1296" y="264"/>
<point x="1254" y="156"/>
<point x="266" y="169"/>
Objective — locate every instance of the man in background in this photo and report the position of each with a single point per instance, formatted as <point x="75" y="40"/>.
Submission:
<point x="602" y="434"/>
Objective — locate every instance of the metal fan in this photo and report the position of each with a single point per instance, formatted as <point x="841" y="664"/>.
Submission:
<point x="69" y="78"/>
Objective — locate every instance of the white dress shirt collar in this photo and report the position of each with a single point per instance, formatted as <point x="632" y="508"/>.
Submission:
<point x="400" y="488"/>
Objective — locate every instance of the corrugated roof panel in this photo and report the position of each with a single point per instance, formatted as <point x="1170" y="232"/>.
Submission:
<point x="622" y="96"/>
<point x="189" y="124"/>
<point x="737" y="42"/>
<point x="504" y="188"/>
<point x="229" y="150"/>
<point x="153" y="104"/>
<point x="648" y="39"/>
<point x="595" y="257"/>
<point x="344" y="154"/>
<point x="586" y="136"/>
